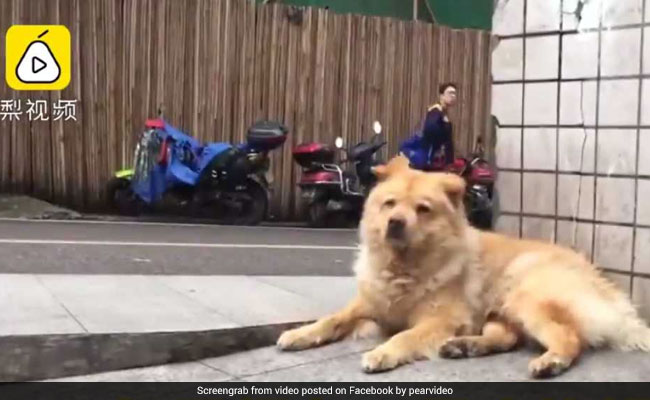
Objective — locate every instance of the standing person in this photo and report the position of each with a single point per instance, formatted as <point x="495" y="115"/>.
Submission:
<point x="436" y="132"/>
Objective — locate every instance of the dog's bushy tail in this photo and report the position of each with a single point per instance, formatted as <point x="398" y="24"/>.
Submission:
<point x="616" y="319"/>
<point x="633" y="335"/>
<point x="628" y="331"/>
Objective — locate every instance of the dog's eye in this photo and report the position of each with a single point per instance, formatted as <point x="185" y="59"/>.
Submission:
<point x="389" y="203"/>
<point x="423" y="209"/>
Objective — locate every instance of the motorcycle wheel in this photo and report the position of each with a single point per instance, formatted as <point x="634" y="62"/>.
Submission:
<point x="254" y="211"/>
<point x="480" y="211"/>
<point x="482" y="219"/>
<point x="318" y="214"/>
<point x="120" y="197"/>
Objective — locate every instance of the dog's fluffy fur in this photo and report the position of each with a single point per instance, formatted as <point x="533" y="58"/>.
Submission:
<point x="424" y="273"/>
<point x="409" y="283"/>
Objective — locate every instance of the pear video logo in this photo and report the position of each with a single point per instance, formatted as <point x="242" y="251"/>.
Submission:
<point x="38" y="57"/>
<point x="38" y="64"/>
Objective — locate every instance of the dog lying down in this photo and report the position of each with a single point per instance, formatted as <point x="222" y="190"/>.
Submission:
<point x="440" y="286"/>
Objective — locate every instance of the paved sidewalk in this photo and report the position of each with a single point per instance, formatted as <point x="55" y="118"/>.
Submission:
<point x="19" y="206"/>
<point x="53" y="304"/>
<point x="340" y="362"/>
<point x="40" y="304"/>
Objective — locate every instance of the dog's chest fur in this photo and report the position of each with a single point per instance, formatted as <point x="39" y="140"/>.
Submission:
<point x="396" y="289"/>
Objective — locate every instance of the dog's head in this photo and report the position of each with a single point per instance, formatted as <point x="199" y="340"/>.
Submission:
<point x="411" y="210"/>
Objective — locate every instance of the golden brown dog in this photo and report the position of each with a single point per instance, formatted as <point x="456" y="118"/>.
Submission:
<point x="409" y="270"/>
<point x="531" y="289"/>
<point x="550" y="294"/>
<point x="424" y="273"/>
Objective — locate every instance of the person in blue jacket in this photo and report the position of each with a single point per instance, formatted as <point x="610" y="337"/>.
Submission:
<point x="436" y="132"/>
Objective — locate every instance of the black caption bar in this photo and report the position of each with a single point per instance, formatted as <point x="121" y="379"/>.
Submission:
<point x="317" y="391"/>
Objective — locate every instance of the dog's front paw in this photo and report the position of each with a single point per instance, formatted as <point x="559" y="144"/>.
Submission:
<point x="460" y="348"/>
<point x="299" y="339"/>
<point x="453" y="349"/>
<point x="379" y="360"/>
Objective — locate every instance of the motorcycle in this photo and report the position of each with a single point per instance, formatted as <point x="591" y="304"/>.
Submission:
<point x="480" y="196"/>
<point x="175" y="173"/>
<point x="327" y="187"/>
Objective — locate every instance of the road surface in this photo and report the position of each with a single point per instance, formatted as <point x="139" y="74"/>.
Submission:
<point x="83" y="247"/>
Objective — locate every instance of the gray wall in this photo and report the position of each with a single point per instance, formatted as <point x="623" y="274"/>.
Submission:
<point x="573" y="147"/>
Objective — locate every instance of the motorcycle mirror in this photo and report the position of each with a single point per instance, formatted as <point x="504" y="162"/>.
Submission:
<point x="377" y="127"/>
<point x="339" y="142"/>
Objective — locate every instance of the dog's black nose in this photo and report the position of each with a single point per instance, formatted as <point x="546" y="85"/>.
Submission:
<point x="396" y="228"/>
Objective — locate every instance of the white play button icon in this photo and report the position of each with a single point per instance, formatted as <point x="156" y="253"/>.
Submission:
<point x="38" y="65"/>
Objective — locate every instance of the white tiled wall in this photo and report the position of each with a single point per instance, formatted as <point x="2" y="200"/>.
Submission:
<point x="539" y="148"/>
<point x="540" y="104"/>
<point x="619" y="102"/>
<point x="578" y="100"/>
<point x="539" y="193"/>
<point x="509" y="148"/>
<point x="642" y="251"/>
<point x="543" y="15"/>
<point x="570" y="93"/>
<point x="507" y="103"/>
<point x="645" y="101"/>
<point x="542" y="57"/>
<point x="641" y="296"/>
<point x="615" y="199"/>
<point x="613" y="247"/>
<point x="617" y="151"/>
<point x="575" y="196"/>
<point x="507" y="59"/>
<point x="620" y="52"/>
<point x="509" y="188"/>
<point x="576" y="150"/>
<point x="580" y="55"/>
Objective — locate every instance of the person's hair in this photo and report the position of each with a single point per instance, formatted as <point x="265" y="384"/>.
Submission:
<point x="445" y="86"/>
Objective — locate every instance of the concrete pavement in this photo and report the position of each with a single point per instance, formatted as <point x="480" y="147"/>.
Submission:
<point x="56" y="304"/>
<point x="341" y="362"/>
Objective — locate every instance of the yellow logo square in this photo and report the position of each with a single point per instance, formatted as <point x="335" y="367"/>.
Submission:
<point x="37" y="57"/>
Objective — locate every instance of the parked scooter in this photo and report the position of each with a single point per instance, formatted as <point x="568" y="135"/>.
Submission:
<point x="175" y="173"/>
<point x="328" y="188"/>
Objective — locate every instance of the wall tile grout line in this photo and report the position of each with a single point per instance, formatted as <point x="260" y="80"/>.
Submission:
<point x="596" y="129"/>
<point x="574" y="172"/>
<point x="576" y="126"/>
<point x="557" y="119"/>
<point x="638" y="147"/>
<point x="572" y="219"/>
<point x="568" y="80"/>
<point x="631" y="275"/>
<point x="645" y="24"/>
<point x="523" y="123"/>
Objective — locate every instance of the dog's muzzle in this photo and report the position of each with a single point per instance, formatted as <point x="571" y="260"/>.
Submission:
<point x="396" y="229"/>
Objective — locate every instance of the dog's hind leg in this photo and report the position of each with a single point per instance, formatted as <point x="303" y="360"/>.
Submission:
<point x="496" y="337"/>
<point x="554" y="327"/>
<point x="326" y="330"/>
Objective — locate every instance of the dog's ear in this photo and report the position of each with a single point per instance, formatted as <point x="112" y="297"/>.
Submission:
<point x="454" y="187"/>
<point x="397" y="164"/>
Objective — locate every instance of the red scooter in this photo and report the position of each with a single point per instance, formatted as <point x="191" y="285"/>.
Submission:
<point x="330" y="189"/>
<point x="480" y="193"/>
